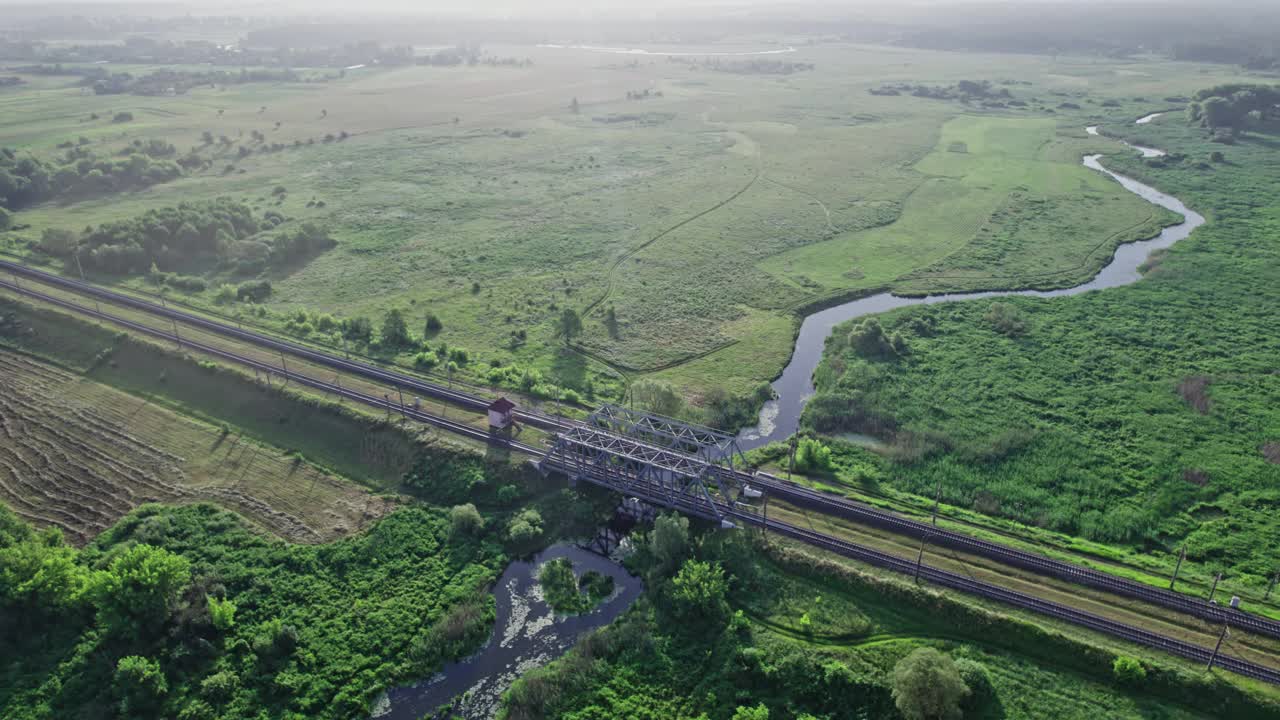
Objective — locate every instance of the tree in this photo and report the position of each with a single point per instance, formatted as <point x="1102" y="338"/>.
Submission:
<point x="569" y="325"/>
<point x="927" y="686"/>
<point x="359" y="329"/>
<point x="56" y="242"/>
<point x="395" y="332"/>
<point x="525" y="527"/>
<point x="575" y="107"/>
<point x="657" y="397"/>
<point x="1219" y="112"/>
<point x="669" y="542"/>
<point x="140" y="589"/>
<point x="40" y="576"/>
<point x="465" y="519"/>
<point x="6" y="219"/>
<point x="433" y="325"/>
<point x="140" y="685"/>
<point x="759" y="712"/>
<point x="700" y="590"/>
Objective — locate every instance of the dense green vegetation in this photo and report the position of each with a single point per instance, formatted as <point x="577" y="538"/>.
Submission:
<point x="566" y="592"/>
<point x="222" y="234"/>
<point x="732" y="629"/>
<point x="26" y="179"/>
<point x="184" y="612"/>
<point x="1137" y="416"/>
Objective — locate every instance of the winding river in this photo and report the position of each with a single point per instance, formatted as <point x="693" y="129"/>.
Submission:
<point x="527" y="634"/>
<point x="780" y="418"/>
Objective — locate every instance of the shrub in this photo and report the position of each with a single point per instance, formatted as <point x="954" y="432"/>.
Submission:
<point x="1128" y="671"/>
<point x="813" y="456"/>
<point x="226" y="295"/>
<point x="254" y="291"/>
<point x="222" y="613"/>
<point x="870" y="340"/>
<point x="1006" y="319"/>
<point x="433" y="324"/>
<point x="426" y="360"/>
<point x="465" y="519"/>
<point x="122" y="117"/>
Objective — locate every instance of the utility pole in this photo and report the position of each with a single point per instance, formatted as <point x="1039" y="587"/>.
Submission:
<point x="177" y="338"/>
<point x="1214" y="657"/>
<point x="1214" y="590"/>
<point x="937" y="497"/>
<point x="401" y="394"/>
<point x="793" y="443"/>
<point x="1181" y="556"/>
<point x="284" y="365"/>
<point x="920" y="558"/>
<point x="1271" y="587"/>
<point x="86" y="282"/>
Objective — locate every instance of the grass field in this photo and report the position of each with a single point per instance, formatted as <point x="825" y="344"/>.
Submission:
<point x="78" y="455"/>
<point x="703" y="217"/>
<point x="1139" y="416"/>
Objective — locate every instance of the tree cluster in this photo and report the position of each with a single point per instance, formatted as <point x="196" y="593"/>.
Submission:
<point x="26" y="179"/>
<point x="177" y="82"/>
<point x="1234" y="107"/>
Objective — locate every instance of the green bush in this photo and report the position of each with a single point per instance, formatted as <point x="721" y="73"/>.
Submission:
<point x="465" y="519"/>
<point x="1128" y="671"/>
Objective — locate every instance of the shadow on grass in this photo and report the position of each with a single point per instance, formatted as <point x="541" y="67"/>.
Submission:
<point x="569" y="368"/>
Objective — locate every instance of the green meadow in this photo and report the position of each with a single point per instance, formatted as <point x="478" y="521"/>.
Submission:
<point x="703" y="215"/>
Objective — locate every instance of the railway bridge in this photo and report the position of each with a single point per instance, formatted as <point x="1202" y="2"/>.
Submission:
<point x="660" y="460"/>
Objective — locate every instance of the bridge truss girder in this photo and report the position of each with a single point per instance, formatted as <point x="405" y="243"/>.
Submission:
<point x="654" y="474"/>
<point x="707" y="443"/>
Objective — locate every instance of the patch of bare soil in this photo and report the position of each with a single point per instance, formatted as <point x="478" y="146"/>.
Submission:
<point x="1271" y="451"/>
<point x="1195" y="392"/>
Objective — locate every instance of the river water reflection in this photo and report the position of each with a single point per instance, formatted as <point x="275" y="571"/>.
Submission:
<point x="527" y="635"/>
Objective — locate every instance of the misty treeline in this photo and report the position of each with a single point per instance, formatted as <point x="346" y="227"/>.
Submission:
<point x="80" y="172"/>
<point x="221" y="234"/>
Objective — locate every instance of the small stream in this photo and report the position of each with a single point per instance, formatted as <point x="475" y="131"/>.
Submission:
<point x="780" y="418"/>
<point x="527" y="634"/>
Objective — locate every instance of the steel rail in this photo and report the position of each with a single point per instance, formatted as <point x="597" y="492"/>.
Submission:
<point x="372" y="372"/>
<point x="795" y="493"/>
<point x="301" y="378"/>
<point x="810" y="537"/>
<point x="845" y="508"/>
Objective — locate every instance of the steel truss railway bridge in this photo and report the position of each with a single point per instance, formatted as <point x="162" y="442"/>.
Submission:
<point x="695" y="470"/>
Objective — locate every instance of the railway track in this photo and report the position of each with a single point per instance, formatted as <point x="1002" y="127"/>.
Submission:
<point x="799" y="495"/>
<point x="968" y="585"/>
<point x="841" y="507"/>
<point x="366" y="370"/>
<point x="328" y="387"/>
